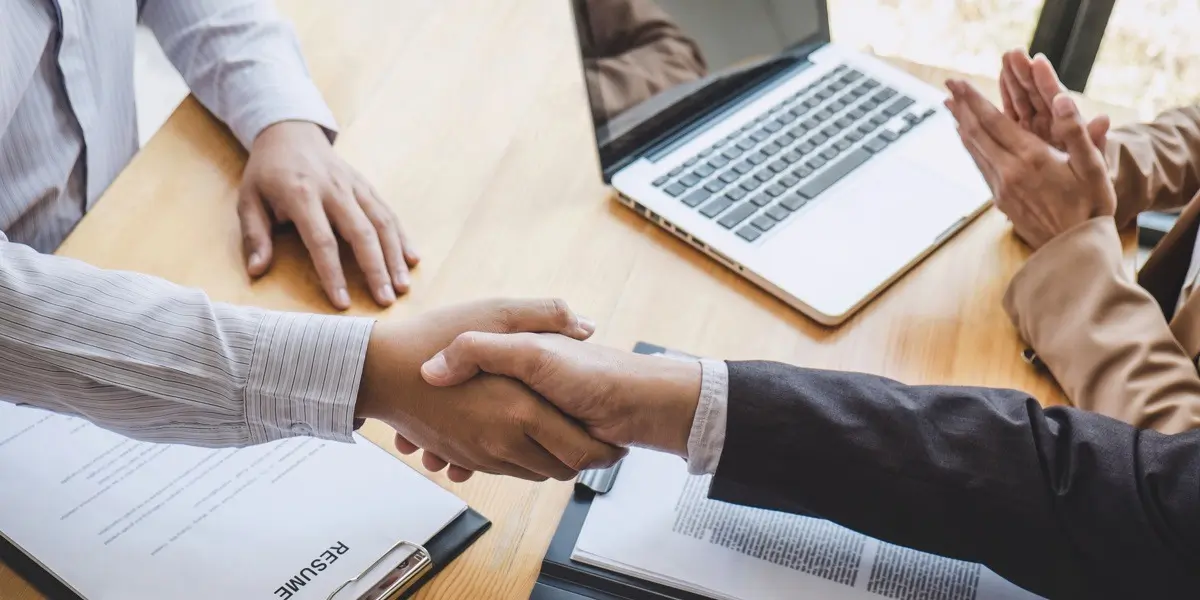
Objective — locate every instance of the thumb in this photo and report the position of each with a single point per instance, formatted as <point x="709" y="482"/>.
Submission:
<point x="511" y="355"/>
<point x="1084" y="158"/>
<point x="1098" y="131"/>
<point x="256" y="231"/>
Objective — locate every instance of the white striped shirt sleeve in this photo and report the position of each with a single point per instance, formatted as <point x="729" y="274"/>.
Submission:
<point x="155" y="361"/>
<point x="241" y="60"/>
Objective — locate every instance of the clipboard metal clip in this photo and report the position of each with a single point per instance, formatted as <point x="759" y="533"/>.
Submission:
<point x="414" y="563"/>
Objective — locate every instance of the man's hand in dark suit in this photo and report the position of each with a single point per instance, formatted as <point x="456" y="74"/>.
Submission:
<point x="621" y="398"/>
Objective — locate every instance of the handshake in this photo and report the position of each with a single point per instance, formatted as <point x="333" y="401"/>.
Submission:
<point x="509" y="387"/>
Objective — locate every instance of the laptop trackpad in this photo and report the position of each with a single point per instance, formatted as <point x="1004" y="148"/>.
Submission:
<point x="861" y="232"/>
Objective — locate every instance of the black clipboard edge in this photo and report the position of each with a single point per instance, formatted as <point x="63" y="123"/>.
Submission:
<point x="443" y="548"/>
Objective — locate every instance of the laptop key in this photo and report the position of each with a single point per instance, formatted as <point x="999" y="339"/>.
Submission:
<point x="830" y="153"/>
<point x="843" y="144"/>
<point x="884" y="94"/>
<point x="876" y="144"/>
<point x="854" y="136"/>
<point x="764" y="175"/>
<point x="735" y="194"/>
<point x="802" y="172"/>
<point x="763" y="222"/>
<point x="753" y="140"/>
<point x="737" y="215"/>
<point x="852" y="75"/>
<point x="785" y="139"/>
<point x="837" y="105"/>
<point x="779" y="166"/>
<point x="775" y="190"/>
<point x="675" y="189"/>
<point x="715" y="185"/>
<point x="844" y="122"/>
<point x="869" y="105"/>
<point x="812" y="102"/>
<point x="867" y="127"/>
<point x="758" y="158"/>
<point x="741" y="169"/>
<point x="819" y="139"/>
<point x="778" y="212"/>
<point x="871" y="83"/>
<point x="789" y="181"/>
<point x="697" y="197"/>
<point x="929" y="112"/>
<point x="730" y="176"/>
<point x="691" y="161"/>
<point x="689" y="180"/>
<point x="794" y="202"/>
<point x="823" y="115"/>
<point x="771" y="148"/>
<point x="837" y="85"/>
<point x="793" y="157"/>
<point x="890" y="136"/>
<point x="773" y="126"/>
<point x="912" y="119"/>
<point x="898" y="106"/>
<point x="703" y="171"/>
<point x="661" y="181"/>
<point x="751" y="184"/>
<point x="717" y="162"/>
<point x="855" y="114"/>
<point x="676" y="172"/>
<point x="732" y="153"/>
<point x="715" y="207"/>
<point x="834" y="173"/>
<point x="806" y="147"/>
<point x="812" y="123"/>
<point x="749" y="233"/>
<point x="825" y="94"/>
<point x="761" y="200"/>
<point x="830" y="130"/>
<point x="816" y="163"/>
<point x="786" y="118"/>
<point x="879" y="119"/>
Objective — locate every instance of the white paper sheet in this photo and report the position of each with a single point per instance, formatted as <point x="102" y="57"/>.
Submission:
<point x="123" y="520"/>
<point x="658" y="524"/>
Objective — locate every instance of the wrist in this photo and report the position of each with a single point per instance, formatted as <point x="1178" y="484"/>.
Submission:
<point x="667" y="392"/>
<point x="379" y="392"/>
<point x="290" y="132"/>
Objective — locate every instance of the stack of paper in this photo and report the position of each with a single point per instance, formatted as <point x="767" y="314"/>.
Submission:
<point x="293" y="520"/>
<point x="657" y="524"/>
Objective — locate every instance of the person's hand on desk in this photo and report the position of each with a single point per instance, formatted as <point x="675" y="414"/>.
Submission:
<point x="1044" y="191"/>
<point x="294" y="176"/>
<point x="490" y="424"/>
<point x="622" y="398"/>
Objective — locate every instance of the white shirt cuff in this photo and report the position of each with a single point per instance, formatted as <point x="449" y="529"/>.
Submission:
<point x="304" y="376"/>
<point x="707" y="439"/>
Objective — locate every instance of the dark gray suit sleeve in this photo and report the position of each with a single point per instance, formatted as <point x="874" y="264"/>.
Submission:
<point x="1065" y="503"/>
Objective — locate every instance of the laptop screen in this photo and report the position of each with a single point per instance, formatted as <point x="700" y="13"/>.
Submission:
<point x="638" y="53"/>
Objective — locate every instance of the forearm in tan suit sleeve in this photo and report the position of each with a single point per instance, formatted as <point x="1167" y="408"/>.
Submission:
<point x="637" y="51"/>
<point x="1102" y="336"/>
<point x="1156" y="165"/>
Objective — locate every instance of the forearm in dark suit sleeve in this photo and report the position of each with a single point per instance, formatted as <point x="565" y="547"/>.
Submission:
<point x="1065" y="503"/>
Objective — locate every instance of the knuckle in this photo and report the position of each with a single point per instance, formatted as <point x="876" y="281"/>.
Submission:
<point x="324" y="241"/>
<point x="559" y="313"/>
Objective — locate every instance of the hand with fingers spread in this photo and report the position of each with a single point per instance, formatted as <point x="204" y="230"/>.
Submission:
<point x="294" y="176"/>
<point x="621" y="398"/>
<point x="1044" y="191"/>
<point x="1028" y="87"/>
<point x="490" y="424"/>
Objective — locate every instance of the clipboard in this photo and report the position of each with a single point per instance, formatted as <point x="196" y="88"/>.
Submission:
<point x="564" y="579"/>
<point x="418" y="564"/>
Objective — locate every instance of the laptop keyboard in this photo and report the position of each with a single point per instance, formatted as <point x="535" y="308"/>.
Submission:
<point x="772" y="167"/>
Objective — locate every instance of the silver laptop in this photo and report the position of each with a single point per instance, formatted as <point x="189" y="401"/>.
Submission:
<point x="818" y="172"/>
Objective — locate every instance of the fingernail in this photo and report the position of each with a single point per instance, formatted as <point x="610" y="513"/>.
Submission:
<point x="342" y="297"/>
<point x="436" y="367"/>
<point x="1063" y="106"/>
<point x="255" y="258"/>
<point x="403" y="279"/>
<point x="387" y="294"/>
<point x="587" y="325"/>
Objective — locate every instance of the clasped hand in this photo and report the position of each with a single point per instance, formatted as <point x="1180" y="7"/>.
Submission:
<point x="1043" y="163"/>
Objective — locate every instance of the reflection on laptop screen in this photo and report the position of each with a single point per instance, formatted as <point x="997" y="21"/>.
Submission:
<point x="634" y="50"/>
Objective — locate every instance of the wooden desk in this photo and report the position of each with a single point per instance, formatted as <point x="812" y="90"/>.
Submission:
<point x="469" y="116"/>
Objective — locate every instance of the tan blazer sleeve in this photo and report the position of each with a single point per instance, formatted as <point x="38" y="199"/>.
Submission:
<point x="1101" y="335"/>
<point x="1156" y="165"/>
<point x="635" y="51"/>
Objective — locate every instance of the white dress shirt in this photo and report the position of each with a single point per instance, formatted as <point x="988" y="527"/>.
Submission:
<point x="133" y="353"/>
<point x="707" y="438"/>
